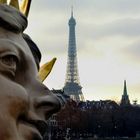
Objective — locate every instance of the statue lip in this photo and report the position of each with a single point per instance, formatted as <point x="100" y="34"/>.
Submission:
<point x="40" y="125"/>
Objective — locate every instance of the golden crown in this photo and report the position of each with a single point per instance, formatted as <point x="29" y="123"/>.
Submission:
<point x="24" y="7"/>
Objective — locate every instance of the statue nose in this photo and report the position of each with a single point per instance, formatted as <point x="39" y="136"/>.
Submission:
<point x="47" y="105"/>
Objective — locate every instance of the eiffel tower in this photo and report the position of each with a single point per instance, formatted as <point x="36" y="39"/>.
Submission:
<point x="72" y="85"/>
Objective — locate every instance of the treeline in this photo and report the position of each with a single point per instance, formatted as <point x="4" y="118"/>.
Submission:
<point x="92" y="120"/>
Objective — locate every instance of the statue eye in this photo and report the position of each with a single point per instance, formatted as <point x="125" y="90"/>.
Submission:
<point x="8" y="64"/>
<point x="10" y="60"/>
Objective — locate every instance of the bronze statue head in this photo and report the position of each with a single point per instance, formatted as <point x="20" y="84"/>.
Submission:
<point x="25" y="103"/>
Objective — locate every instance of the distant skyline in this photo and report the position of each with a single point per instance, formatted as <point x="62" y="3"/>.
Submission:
<point x="108" y="44"/>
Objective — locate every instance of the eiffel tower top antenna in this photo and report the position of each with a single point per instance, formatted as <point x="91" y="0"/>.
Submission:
<point x="72" y="11"/>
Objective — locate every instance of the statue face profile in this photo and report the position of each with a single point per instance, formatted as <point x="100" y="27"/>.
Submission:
<point x="24" y="101"/>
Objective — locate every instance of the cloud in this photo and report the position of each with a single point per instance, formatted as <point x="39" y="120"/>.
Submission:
<point x="95" y="22"/>
<point x="107" y="34"/>
<point x="119" y="6"/>
<point x="84" y="9"/>
<point x="128" y="27"/>
<point x="132" y="52"/>
<point x="105" y="5"/>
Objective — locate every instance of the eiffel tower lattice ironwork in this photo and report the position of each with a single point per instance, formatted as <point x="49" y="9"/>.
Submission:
<point x="72" y="85"/>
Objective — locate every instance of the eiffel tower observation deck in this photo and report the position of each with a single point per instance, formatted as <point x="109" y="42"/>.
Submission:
<point x="72" y="85"/>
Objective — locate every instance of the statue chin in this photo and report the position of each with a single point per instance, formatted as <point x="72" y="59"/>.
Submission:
<point x="25" y="103"/>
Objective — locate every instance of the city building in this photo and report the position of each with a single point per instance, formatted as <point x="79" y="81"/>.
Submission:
<point x="125" y="98"/>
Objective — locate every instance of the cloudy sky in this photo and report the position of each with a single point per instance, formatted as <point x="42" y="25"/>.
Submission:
<point x="108" y="44"/>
